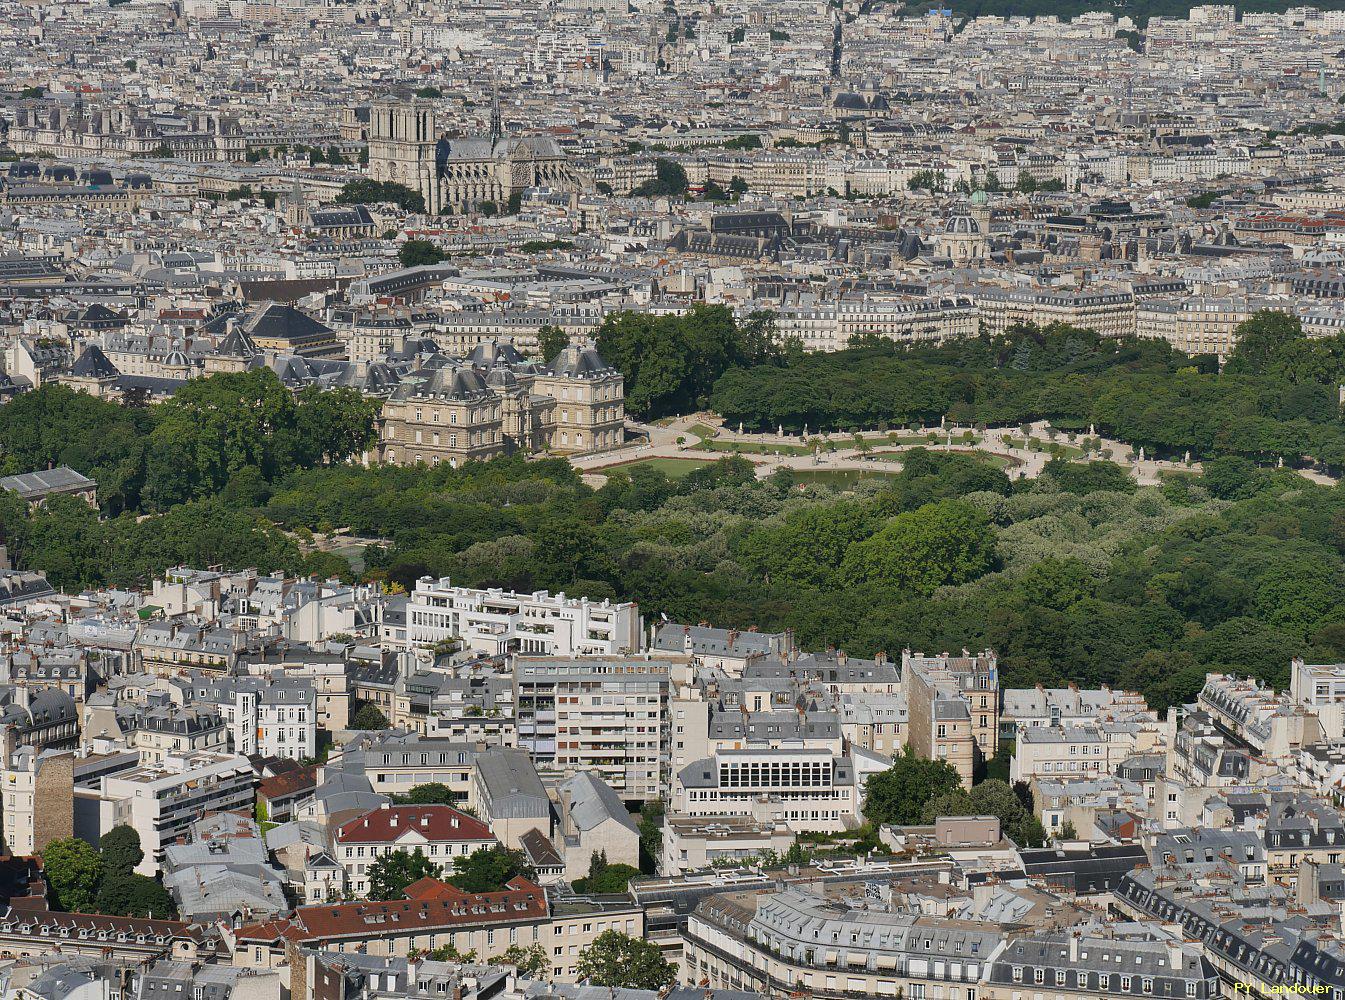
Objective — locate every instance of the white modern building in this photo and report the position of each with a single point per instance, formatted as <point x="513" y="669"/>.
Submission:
<point x="805" y="789"/>
<point x="606" y="715"/>
<point x="497" y="622"/>
<point x="161" y="801"/>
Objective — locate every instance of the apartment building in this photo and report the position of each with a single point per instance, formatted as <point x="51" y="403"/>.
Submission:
<point x="436" y="915"/>
<point x="704" y="724"/>
<point x="1273" y="724"/>
<point x="499" y="622"/>
<point x="170" y="729"/>
<point x="1101" y="963"/>
<point x="1023" y="708"/>
<point x="691" y="843"/>
<point x="161" y="801"/>
<point x="1196" y="324"/>
<point x="1320" y="688"/>
<point x="953" y="707"/>
<point x="1079" y="751"/>
<point x="874" y="722"/>
<point x="395" y="762"/>
<point x="831" y="326"/>
<point x="439" y="832"/>
<point x="268" y="716"/>
<point x="605" y="714"/>
<point x="806" y="790"/>
<point x="37" y="800"/>
<point x="1109" y="314"/>
<point x="324" y="671"/>
<point x="797" y="940"/>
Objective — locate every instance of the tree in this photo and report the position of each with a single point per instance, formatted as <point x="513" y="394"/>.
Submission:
<point x="670" y="179"/>
<point x="72" y="869"/>
<point x="488" y="208"/>
<point x="551" y="340"/>
<point x="125" y="894"/>
<point x="1067" y="831"/>
<point x="429" y="794"/>
<point x="120" y="848"/>
<point x="618" y="960"/>
<point x="1262" y="342"/>
<point x="369" y="717"/>
<point x="392" y="873"/>
<point x="130" y="64"/>
<point x="370" y="192"/>
<point x="737" y="186"/>
<point x="415" y="253"/>
<point x="651" y="835"/>
<point x="938" y="544"/>
<point x="450" y="953"/>
<point x="429" y="92"/>
<point x="530" y="961"/>
<point x="1028" y="832"/>
<point x="899" y="794"/>
<point x="605" y="878"/>
<point x="489" y="869"/>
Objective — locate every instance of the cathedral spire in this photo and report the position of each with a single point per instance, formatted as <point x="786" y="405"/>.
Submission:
<point x="496" y="123"/>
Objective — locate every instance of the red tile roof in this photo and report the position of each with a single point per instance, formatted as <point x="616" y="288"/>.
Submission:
<point x="289" y="783"/>
<point x="438" y="907"/>
<point x="434" y="823"/>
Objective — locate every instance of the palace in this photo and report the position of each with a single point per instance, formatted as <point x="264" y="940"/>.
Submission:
<point x="459" y="174"/>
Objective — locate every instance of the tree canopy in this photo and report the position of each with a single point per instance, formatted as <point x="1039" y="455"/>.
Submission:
<point x="899" y="794"/>
<point x="616" y="959"/>
<point x="393" y="872"/>
<point x="370" y="192"/>
<point x="489" y="869"/>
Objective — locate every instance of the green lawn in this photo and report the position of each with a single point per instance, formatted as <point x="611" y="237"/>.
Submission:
<point x="673" y="468"/>
<point x="756" y="448"/>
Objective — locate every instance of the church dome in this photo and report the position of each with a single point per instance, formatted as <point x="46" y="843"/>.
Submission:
<point x="961" y="224"/>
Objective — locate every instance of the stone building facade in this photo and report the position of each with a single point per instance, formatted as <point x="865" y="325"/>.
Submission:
<point x="459" y="174"/>
<point x="495" y="401"/>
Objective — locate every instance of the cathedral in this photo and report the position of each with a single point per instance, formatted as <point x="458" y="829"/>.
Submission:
<point x="459" y="174"/>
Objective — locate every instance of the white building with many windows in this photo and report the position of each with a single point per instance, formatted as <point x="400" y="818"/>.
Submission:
<point x="439" y="832"/>
<point x="497" y="622"/>
<point x="805" y="789"/>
